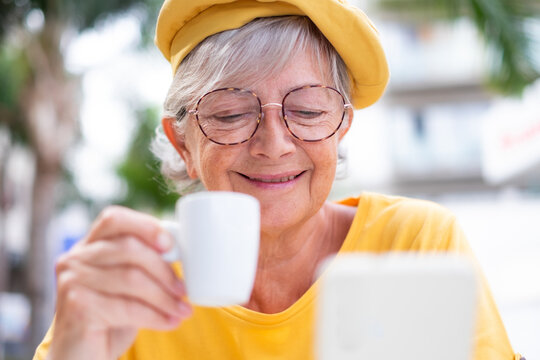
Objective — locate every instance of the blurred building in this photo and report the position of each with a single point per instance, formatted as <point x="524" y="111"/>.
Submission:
<point x="438" y="129"/>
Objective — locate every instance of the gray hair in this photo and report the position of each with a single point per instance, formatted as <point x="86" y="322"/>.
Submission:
<point x="238" y="57"/>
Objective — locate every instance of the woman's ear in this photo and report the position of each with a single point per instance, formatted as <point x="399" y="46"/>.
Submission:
<point x="347" y="121"/>
<point x="178" y="141"/>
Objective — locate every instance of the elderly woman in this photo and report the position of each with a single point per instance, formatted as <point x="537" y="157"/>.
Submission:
<point x="261" y="98"/>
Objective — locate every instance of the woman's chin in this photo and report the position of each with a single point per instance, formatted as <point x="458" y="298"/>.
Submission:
<point x="282" y="217"/>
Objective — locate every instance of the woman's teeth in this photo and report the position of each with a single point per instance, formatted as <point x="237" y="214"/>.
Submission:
<point x="277" y="180"/>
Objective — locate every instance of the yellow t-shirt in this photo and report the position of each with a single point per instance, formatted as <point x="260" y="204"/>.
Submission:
<point x="381" y="224"/>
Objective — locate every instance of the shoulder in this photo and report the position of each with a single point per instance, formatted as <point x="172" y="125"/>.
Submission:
<point x="405" y="208"/>
<point x="400" y="223"/>
<point x="375" y="205"/>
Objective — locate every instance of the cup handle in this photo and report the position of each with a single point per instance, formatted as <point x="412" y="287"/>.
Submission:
<point x="174" y="254"/>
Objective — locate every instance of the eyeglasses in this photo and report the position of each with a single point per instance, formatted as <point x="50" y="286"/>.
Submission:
<point x="231" y="116"/>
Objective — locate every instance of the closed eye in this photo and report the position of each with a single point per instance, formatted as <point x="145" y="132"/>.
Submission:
<point x="228" y="118"/>
<point x="234" y="117"/>
<point x="305" y="114"/>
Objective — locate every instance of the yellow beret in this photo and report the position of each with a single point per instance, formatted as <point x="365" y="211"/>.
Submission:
<point x="182" y="24"/>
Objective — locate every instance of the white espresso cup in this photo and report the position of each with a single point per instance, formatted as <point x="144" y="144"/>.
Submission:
<point x="217" y="242"/>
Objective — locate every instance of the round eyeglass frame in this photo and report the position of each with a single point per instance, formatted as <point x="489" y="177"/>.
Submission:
<point x="261" y="106"/>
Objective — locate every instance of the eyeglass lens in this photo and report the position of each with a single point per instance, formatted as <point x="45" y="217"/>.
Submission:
<point x="231" y="116"/>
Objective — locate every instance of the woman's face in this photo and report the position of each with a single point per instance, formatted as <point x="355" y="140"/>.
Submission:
<point x="289" y="177"/>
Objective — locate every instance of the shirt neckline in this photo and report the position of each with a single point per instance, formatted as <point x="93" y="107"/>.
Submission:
<point x="262" y="319"/>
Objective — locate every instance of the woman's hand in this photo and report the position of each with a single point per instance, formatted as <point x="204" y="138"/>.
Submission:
<point x="113" y="283"/>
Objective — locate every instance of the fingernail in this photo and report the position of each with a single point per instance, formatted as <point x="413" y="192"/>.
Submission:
<point x="185" y="309"/>
<point x="179" y="288"/>
<point x="164" y="241"/>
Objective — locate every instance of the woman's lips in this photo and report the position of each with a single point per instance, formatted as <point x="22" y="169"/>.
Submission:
<point x="273" y="179"/>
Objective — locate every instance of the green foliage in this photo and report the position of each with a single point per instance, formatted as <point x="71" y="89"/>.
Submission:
<point x="145" y="186"/>
<point x="13" y="73"/>
<point x="62" y="15"/>
<point x="502" y="23"/>
<point x="149" y="10"/>
<point x="80" y="14"/>
<point x="86" y="14"/>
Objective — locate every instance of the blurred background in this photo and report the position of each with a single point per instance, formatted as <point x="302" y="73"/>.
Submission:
<point x="81" y="88"/>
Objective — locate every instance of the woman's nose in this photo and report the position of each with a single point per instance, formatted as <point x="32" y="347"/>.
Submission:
<point x="272" y="139"/>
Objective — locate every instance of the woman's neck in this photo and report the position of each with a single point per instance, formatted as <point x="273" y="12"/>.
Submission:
<point x="288" y="261"/>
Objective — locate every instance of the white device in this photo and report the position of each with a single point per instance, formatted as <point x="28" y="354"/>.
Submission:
<point x="396" y="307"/>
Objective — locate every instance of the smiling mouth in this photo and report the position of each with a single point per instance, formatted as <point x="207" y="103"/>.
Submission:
<point x="273" y="180"/>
